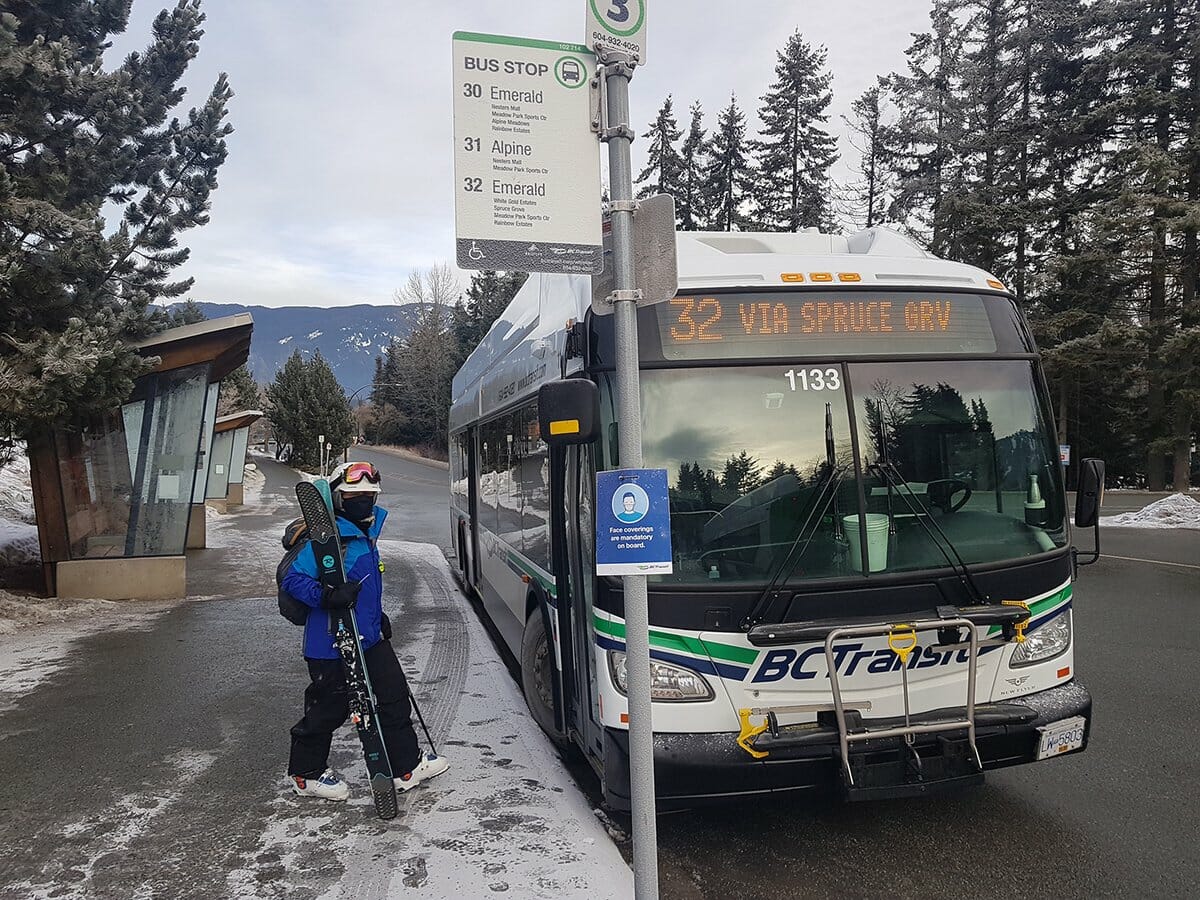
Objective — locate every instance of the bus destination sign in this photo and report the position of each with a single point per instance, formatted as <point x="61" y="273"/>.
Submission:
<point x="767" y="324"/>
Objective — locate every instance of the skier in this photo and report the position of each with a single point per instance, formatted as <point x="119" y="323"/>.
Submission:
<point x="355" y="487"/>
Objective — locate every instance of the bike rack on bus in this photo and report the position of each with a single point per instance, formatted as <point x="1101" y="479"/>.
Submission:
<point x="1011" y="616"/>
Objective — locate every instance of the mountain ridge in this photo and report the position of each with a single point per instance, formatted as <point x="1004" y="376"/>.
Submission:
<point x="349" y="337"/>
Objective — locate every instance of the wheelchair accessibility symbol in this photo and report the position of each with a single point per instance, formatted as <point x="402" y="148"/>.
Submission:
<point x="475" y="253"/>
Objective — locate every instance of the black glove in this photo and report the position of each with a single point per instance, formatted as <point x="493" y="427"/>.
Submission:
<point x="385" y="627"/>
<point x="344" y="596"/>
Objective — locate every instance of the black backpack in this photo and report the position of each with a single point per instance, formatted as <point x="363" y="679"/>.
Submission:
<point x="295" y="539"/>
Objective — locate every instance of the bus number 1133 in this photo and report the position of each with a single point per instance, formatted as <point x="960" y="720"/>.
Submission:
<point x="814" y="379"/>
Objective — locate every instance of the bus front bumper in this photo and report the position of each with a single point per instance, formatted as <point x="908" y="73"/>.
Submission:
<point x="691" y="769"/>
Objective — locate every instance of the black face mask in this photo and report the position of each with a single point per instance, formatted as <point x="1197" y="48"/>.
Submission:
<point x="358" y="509"/>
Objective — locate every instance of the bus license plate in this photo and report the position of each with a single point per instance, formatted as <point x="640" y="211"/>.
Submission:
<point x="1061" y="737"/>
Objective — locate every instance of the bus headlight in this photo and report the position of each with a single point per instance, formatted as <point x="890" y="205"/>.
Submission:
<point x="1048" y="641"/>
<point x="667" y="682"/>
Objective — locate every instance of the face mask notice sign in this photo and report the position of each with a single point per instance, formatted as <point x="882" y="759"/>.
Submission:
<point x="526" y="162"/>
<point x="633" y="523"/>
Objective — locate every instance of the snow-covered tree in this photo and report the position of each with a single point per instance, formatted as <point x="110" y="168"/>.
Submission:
<point x="664" y="171"/>
<point x="728" y="176"/>
<point x="794" y="150"/>
<point x="75" y="138"/>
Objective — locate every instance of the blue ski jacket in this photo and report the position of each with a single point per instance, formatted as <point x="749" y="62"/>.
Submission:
<point x="361" y="559"/>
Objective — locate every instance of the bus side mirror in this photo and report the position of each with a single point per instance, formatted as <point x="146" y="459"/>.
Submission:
<point x="1088" y="497"/>
<point x="569" y="412"/>
<point x="1090" y="492"/>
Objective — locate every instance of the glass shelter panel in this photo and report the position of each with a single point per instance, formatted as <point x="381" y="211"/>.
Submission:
<point x="237" y="457"/>
<point x="166" y="470"/>
<point x="128" y="478"/>
<point x="219" y="465"/>
<point x="97" y="485"/>
<point x="206" y="441"/>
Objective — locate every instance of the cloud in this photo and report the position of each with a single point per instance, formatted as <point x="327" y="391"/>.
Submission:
<point x="339" y="178"/>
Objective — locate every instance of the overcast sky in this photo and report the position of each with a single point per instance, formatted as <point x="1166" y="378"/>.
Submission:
<point x="339" y="177"/>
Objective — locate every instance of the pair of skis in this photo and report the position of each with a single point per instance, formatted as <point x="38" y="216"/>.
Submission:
<point x="316" y="504"/>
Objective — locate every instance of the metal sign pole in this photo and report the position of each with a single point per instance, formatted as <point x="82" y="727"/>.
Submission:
<point x="629" y="414"/>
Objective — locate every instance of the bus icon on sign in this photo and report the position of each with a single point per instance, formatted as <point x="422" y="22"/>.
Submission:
<point x="570" y="71"/>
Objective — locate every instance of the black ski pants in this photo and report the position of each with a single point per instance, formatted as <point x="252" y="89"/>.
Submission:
<point x="327" y="706"/>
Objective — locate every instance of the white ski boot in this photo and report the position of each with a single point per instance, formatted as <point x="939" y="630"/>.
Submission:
<point x="327" y="787"/>
<point x="430" y="766"/>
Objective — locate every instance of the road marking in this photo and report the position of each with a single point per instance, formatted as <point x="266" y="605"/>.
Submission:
<point x="1157" y="562"/>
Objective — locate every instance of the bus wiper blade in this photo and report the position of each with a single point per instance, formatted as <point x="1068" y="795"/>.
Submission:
<point x="900" y="485"/>
<point x="827" y="490"/>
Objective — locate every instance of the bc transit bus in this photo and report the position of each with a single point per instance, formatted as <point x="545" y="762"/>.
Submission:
<point x="872" y="570"/>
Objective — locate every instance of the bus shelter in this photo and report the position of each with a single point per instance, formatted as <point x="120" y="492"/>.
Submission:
<point x="227" y="463"/>
<point x="114" y="500"/>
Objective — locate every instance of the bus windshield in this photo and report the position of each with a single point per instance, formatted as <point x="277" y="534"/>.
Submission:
<point x="955" y="458"/>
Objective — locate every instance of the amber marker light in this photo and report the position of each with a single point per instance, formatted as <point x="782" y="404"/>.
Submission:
<point x="998" y="285"/>
<point x="792" y="277"/>
<point x="820" y="276"/>
<point x="849" y="276"/>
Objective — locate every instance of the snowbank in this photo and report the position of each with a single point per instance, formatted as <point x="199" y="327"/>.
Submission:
<point x="16" y="494"/>
<point x="18" y="533"/>
<point x="18" y="611"/>
<point x="18" y="544"/>
<point x="1176" y="511"/>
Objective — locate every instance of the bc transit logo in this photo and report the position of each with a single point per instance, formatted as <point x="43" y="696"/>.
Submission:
<point x="803" y="665"/>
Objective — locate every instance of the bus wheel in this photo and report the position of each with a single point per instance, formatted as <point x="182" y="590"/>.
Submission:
<point x="537" y="676"/>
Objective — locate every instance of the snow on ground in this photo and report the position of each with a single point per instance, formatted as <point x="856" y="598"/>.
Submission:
<point x="1175" y="511"/>
<point x="506" y="819"/>
<point x="18" y="543"/>
<point x="16" y="494"/>
<point x="18" y="533"/>
<point x="37" y="635"/>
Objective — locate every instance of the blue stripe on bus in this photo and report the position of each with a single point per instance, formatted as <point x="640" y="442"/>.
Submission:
<point x="706" y="666"/>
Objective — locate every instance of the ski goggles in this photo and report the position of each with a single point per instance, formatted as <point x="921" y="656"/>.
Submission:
<point x="357" y="473"/>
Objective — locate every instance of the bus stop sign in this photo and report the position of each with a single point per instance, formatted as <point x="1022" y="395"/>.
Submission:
<point x="633" y="523"/>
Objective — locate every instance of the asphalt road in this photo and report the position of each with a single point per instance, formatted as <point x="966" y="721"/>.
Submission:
<point x="1118" y="820"/>
<point x="150" y="763"/>
<point x="164" y="787"/>
<point x="416" y="495"/>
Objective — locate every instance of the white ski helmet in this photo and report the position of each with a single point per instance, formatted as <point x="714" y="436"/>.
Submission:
<point x="355" y="478"/>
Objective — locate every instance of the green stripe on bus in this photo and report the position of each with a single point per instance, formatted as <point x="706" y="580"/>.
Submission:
<point x="524" y="568"/>
<point x="1037" y="607"/>
<point x="681" y="642"/>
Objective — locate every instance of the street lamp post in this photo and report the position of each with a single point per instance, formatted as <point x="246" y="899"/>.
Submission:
<point x="350" y="400"/>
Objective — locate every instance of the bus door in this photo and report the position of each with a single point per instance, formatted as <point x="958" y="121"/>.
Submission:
<point x="472" y="448"/>
<point x="580" y="524"/>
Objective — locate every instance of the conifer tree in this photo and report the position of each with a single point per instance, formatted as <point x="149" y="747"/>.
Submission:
<point x="794" y="150"/>
<point x="74" y="138"/>
<point x="929" y="131"/>
<point x="728" y="177"/>
<point x="487" y="296"/>
<point x="664" y="170"/>
<point x="305" y="402"/>
<point x="690" y="210"/>
<point x="868" y="198"/>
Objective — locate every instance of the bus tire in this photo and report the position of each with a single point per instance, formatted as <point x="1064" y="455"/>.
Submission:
<point x="537" y="673"/>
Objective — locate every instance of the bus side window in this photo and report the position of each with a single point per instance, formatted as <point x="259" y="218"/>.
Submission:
<point x="535" y="483"/>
